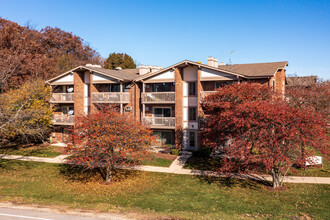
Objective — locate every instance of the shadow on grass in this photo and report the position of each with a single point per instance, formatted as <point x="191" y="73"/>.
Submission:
<point x="253" y="183"/>
<point x="234" y="180"/>
<point x="84" y="174"/>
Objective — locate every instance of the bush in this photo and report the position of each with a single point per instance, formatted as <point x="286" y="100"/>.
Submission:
<point x="168" y="148"/>
<point x="175" y="151"/>
<point x="202" y="152"/>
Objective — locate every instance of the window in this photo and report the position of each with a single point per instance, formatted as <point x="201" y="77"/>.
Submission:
<point x="192" y="113"/>
<point x="192" y="88"/>
<point x="162" y="87"/>
<point x="114" y="88"/>
<point x="162" y="112"/>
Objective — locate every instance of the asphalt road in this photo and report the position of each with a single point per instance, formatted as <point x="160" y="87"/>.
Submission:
<point x="21" y="214"/>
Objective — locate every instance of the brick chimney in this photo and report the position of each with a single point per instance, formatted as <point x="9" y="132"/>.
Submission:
<point x="211" y="61"/>
<point x="143" y="69"/>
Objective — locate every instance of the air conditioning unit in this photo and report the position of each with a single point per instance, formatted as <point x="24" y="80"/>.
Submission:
<point x="128" y="109"/>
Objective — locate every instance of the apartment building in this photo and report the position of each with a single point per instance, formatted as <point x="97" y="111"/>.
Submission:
<point x="166" y="99"/>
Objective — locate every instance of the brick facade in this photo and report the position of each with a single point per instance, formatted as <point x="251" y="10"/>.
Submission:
<point x="135" y="93"/>
<point x="78" y="94"/>
<point x="178" y="74"/>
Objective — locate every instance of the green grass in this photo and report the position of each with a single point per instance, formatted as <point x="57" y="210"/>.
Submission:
<point x="159" y="194"/>
<point x="37" y="151"/>
<point x="202" y="163"/>
<point x="158" y="162"/>
<point x="207" y="163"/>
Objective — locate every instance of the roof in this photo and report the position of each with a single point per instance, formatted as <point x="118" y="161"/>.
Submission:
<point x="121" y="75"/>
<point x="255" y="69"/>
<point x="242" y="70"/>
<point x="124" y="74"/>
<point x="251" y="70"/>
<point x="301" y="80"/>
<point x="182" y="64"/>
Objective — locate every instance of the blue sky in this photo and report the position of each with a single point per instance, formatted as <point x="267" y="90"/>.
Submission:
<point x="167" y="32"/>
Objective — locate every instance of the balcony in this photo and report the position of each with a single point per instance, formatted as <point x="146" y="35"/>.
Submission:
<point x="158" y="97"/>
<point x="110" y="97"/>
<point x="63" y="119"/>
<point x="203" y="94"/>
<point x="159" y="122"/>
<point x="62" y="98"/>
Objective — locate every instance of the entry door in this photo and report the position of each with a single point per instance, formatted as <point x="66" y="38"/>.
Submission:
<point x="192" y="139"/>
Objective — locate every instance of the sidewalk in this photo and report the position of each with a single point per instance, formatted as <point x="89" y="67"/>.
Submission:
<point x="177" y="168"/>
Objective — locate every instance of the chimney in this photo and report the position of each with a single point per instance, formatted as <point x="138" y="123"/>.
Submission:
<point x="211" y="61"/>
<point x="93" y="65"/>
<point x="143" y="69"/>
<point x="222" y="64"/>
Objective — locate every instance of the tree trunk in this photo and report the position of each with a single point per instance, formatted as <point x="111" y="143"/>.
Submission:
<point x="276" y="179"/>
<point x="107" y="174"/>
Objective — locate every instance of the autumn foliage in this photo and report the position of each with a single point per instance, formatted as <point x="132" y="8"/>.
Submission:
<point x="25" y="113"/>
<point x="107" y="140"/>
<point x="315" y="96"/>
<point x="257" y="131"/>
<point x="26" y="53"/>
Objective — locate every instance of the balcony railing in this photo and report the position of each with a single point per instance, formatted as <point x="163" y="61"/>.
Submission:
<point x="204" y="94"/>
<point x="158" y="97"/>
<point x="62" y="98"/>
<point x="110" y="97"/>
<point x="159" y="122"/>
<point x="63" y="119"/>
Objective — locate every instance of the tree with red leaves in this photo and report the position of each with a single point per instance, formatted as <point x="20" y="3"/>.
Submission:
<point x="107" y="140"/>
<point x="315" y="96"/>
<point x="258" y="132"/>
<point x="27" y="54"/>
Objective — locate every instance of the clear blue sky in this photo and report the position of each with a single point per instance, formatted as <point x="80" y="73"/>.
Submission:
<point x="166" y="32"/>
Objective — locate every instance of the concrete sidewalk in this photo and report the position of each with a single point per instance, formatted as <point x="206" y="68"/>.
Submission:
<point x="177" y="168"/>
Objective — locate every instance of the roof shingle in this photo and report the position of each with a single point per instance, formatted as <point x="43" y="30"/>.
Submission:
<point x="255" y="69"/>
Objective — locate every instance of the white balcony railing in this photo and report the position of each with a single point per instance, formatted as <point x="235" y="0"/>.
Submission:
<point x="159" y="122"/>
<point x="203" y="94"/>
<point x="63" y="119"/>
<point x="110" y="97"/>
<point x="158" y="97"/>
<point x="62" y="98"/>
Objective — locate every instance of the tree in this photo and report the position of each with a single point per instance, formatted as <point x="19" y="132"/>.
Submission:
<point x="26" y="53"/>
<point x="119" y="60"/>
<point x="258" y="132"/>
<point x="25" y="113"/>
<point x="107" y="139"/>
<point x="315" y="96"/>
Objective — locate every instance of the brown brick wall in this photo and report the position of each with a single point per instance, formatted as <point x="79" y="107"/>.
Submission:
<point x="135" y="100"/>
<point x="78" y="94"/>
<point x="93" y="88"/>
<point x="279" y="78"/>
<point x="178" y="107"/>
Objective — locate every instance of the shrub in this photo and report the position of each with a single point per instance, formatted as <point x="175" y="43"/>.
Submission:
<point x="175" y="151"/>
<point x="202" y="152"/>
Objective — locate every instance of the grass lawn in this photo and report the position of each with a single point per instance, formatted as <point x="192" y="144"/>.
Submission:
<point x="200" y="163"/>
<point x="159" y="194"/>
<point x="159" y="160"/>
<point x="43" y="150"/>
